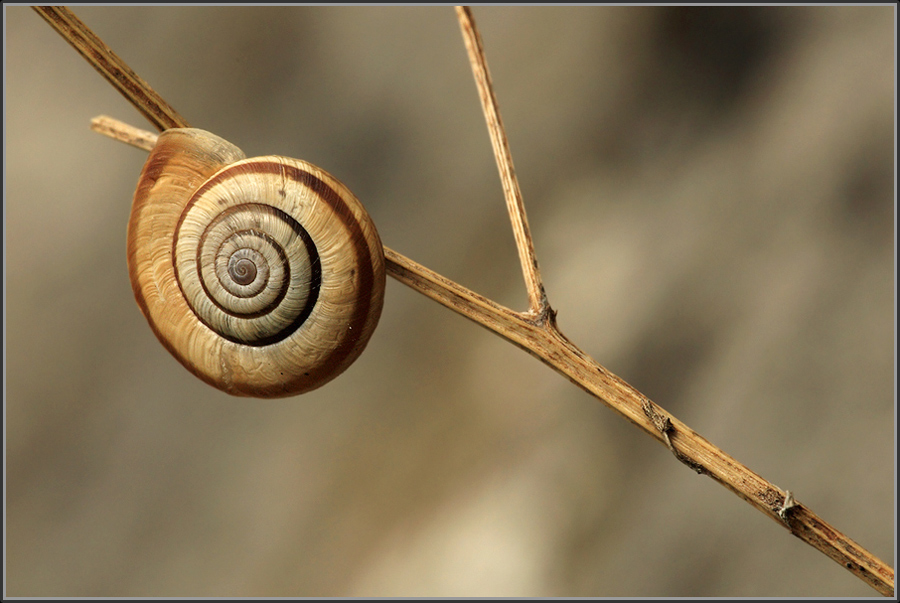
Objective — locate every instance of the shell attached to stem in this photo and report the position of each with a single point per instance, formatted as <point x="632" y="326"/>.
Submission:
<point x="263" y="276"/>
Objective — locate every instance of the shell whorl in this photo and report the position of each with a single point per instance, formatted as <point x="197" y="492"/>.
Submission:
<point x="263" y="276"/>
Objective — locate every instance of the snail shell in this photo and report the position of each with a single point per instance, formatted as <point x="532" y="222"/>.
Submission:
<point x="263" y="276"/>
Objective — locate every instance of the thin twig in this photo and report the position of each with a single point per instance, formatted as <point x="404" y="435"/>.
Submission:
<point x="142" y="96"/>
<point x="537" y="299"/>
<point x="142" y="139"/>
<point x="536" y="333"/>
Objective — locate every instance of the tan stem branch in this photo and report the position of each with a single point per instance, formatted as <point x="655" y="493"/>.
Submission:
<point x="536" y="333"/>
<point x="137" y="91"/>
<point x="123" y="132"/>
<point x="537" y="299"/>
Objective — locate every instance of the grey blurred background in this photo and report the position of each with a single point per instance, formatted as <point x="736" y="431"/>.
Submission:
<point x="711" y="197"/>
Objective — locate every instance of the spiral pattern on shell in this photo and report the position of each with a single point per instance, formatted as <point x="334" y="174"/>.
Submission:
<point x="249" y="270"/>
<point x="263" y="276"/>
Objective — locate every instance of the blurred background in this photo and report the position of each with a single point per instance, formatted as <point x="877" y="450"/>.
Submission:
<point x="711" y="193"/>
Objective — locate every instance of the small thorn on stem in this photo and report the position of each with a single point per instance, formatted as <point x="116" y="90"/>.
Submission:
<point x="788" y="504"/>
<point x="664" y="425"/>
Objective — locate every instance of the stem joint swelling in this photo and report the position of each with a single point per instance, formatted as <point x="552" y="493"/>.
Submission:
<point x="543" y="316"/>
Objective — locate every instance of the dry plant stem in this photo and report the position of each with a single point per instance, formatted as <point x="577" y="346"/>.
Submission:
<point x="536" y="332"/>
<point x="537" y="300"/>
<point x="123" y="132"/>
<point x="142" y="96"/>
<point x="542" y="339"/>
